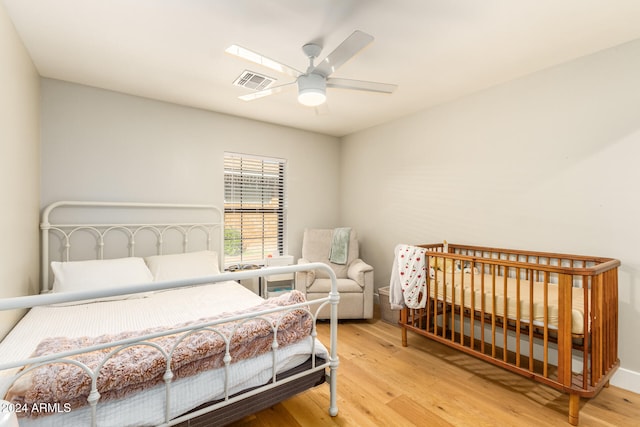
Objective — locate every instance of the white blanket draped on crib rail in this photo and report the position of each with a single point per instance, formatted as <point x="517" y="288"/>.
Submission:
<point x="408" y="284"/>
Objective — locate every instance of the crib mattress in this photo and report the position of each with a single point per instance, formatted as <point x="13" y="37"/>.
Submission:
<point x="157" y="309"/>
<point x="528" y="312"/>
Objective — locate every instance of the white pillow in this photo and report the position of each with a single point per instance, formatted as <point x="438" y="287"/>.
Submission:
<point x="183" y="266"/>
<point x="73" y="276"/>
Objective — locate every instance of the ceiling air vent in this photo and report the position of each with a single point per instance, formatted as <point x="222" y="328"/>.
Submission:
<point x="252" y="80"/>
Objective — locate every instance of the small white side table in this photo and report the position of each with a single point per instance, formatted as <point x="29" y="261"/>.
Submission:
<point x="275" y="284"/>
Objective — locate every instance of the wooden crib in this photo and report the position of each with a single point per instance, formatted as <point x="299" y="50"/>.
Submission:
<point x="550" y="317"/>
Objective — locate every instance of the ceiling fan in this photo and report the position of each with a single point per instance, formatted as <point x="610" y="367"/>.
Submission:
<point x="313" y="84"/>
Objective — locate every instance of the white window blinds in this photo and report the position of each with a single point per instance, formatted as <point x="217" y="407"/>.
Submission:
<point x="254" y="208"/>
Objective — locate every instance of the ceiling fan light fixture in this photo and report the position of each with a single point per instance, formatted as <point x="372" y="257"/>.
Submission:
<point x="312" y="90"/>
<point x="311" y="97"/>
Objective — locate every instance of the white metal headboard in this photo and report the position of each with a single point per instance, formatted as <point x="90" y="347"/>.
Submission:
<point x="65" y="231"/>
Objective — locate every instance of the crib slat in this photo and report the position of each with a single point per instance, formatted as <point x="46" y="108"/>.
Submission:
<point x="518" y="316"/>
<point x="609" y="333"/>
<point x="453" y="305"/>
<point x="493" y="311"/>
<point x="444" y="301"/>
<point x="530" y="274"/>
<point x="610" y="308"/>
<point x="427" y="313"/>
<point x="504" y="316"/>
<point x="612" y="279"/>
<point x="482" y="310"/>
<point x="585" y="330"/>
<point x="473" y="307"/>
<point x="461" y="313"/>
<point x="435" y="302"/>
<point x="564" y="329"/>
<point x="597" y="344"/>
<point x="546" y="325"/>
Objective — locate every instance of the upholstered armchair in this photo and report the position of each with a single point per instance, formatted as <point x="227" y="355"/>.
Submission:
<point x="355" y="277"/>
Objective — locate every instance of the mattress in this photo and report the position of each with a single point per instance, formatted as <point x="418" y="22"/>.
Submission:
<point x="156" y="309"/>
<point x="526" y="314"/>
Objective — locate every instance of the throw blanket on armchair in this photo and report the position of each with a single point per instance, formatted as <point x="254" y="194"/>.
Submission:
<point x="339" y="251"/>
<point x="141" y="366"/>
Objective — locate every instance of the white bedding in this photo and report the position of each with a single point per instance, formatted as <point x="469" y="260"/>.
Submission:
<point x="158" y="309"/>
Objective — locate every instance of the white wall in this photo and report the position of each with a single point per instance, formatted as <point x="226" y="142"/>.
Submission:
<point x="19" y="169"/>
<point x="548" y="162"/>
<point x="101" y="145"/>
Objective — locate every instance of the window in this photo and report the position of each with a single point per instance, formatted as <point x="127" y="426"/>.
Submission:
<point x="254" y="208"/>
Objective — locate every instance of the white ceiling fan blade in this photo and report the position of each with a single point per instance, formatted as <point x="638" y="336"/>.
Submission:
<point x="353" y="44"/>
<point x="255" y="57"/>
<point x="266" y="92"/>
<point x="361" y="85"/>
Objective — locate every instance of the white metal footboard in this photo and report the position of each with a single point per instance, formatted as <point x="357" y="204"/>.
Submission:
<point x="65" y="357"/>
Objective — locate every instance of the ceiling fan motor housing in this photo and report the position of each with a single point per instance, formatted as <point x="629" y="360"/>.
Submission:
<point x="312" y="50"/>
<point x="312" y="89"/>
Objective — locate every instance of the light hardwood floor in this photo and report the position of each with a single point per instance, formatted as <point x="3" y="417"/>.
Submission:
<point x="380" y="383"/>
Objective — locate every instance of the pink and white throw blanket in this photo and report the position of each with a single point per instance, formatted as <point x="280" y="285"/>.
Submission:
<point x="408" y="285"/>
<point x="138" y="367"/>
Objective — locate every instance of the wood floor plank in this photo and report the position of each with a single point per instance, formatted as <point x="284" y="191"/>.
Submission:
<point x="381" y="383"/>
<point x="417" y="414"/>
<point x="309" y="411"/>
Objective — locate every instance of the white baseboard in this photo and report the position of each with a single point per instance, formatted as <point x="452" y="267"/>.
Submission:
<point x="626" y="379"/>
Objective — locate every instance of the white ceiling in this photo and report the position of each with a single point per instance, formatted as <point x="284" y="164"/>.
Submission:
<point x="434" y="50"/>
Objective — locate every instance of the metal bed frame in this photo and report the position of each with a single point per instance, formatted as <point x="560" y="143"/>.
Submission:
<point x="231" y="407"/>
